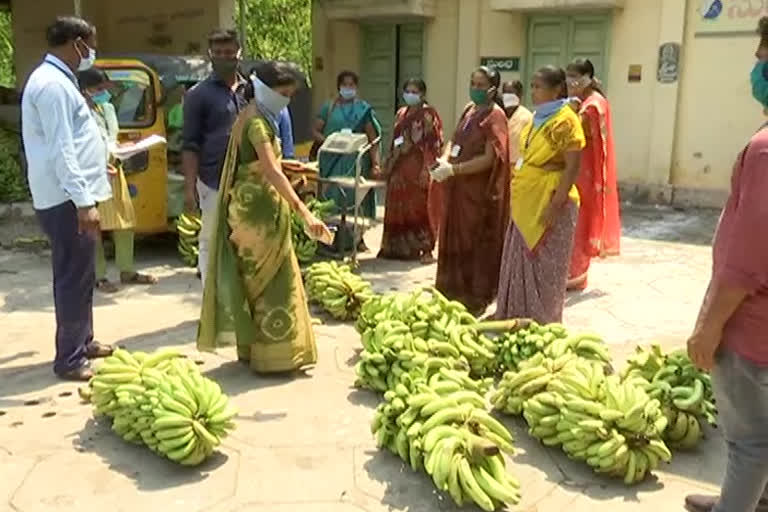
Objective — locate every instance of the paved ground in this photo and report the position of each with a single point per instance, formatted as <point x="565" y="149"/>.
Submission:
<point x="303" y="442"/>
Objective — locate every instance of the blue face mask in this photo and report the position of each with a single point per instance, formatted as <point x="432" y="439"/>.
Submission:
<point x="101" y="97"/>
<point x="759" y="79"/>
<point x="411" y="98"/>
<point x="347" y="93"/>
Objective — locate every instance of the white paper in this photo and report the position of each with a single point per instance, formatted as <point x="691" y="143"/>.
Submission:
<point x="455" y="150"/>
<point x="519" y="164"/>
<point x="399" y="141"/>
<point x="123" y="152"/>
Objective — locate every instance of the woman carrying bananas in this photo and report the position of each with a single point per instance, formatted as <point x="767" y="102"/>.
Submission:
<point x="545" y="205"/>
<point x="254" y="292"/>
<point x="117" y="214"/>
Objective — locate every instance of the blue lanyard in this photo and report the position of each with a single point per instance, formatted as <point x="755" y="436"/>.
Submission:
<point x="69" y="74"/>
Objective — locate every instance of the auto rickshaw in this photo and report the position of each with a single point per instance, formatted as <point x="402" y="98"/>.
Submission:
<point x="147" y="93"/>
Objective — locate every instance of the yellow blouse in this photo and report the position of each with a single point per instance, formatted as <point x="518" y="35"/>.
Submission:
<point x="543" y="153"/>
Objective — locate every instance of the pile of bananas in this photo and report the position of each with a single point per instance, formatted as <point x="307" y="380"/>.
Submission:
<point x="435" y="420"/>
<point x="162" y="401"/>
<point x="612" y="425"/>
<point x="337" y="289"/>
<point x="439" y="327"/>
<point x="684" y="391"/>
<point x="516" y="346"/>
<point x="188" y="228"/>
<point x="304" y="247"/>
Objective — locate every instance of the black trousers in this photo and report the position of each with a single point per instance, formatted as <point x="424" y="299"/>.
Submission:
<point x="74" y="277"/>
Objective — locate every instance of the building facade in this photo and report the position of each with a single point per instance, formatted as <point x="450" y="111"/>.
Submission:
<point x="676" y="71"/>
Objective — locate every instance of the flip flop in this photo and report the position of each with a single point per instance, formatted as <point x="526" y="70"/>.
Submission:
<point x="137" y="278"/>
<point x="96" y="350"/>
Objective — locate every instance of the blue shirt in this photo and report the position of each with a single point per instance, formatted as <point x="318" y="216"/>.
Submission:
<point x="285" y="126"/>
<point x="210" y="110"/>
<point x="66" y="153"/>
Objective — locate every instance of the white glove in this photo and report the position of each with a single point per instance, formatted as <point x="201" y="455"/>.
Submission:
<point x="442" y="172"/>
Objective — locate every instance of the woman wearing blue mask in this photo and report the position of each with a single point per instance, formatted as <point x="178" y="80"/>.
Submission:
<point x="417" y="141"/>
<point x="545" y="205"/>
<point x="253" y="292"/>
<point x="117" y="214"/>
<point x="348" y="111"/>
<point x="729" y="338"/>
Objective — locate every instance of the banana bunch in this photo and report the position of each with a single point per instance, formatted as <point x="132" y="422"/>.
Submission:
<point x="684" y="391"/>
<point x="427" y="311"/>
<point x="444" y="429"/>
<point x="530" y="339"/>
<point x="337" y="289"/>
<point x="162" y="401"/>
<point x="532" y="377"/>
<point x="614" y="426"/>
<point x="188" y="228"/>
<point x="586" y="346"/>
<point x="304" y="247"/>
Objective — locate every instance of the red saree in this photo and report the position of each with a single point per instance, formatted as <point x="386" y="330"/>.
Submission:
<point x="598" y="229"/>
<point x="475" y="212"/>
<point x="417" y="139"/>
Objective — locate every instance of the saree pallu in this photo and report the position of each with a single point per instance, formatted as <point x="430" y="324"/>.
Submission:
<point x="408" y="229"/>
<point x="254" y="288"/>
<point x="337" y="116"/>
<point x="117" y="213"/>
<point x="475" y="213"/>
<point x="536" y="256"/>
<point x="598" y="231"/>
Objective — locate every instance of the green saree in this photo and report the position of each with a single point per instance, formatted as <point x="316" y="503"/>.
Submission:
<point x="254" y="291"/>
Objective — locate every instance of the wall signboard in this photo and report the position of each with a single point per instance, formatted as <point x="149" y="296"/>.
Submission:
<point x="729" y="16"/>
<point x="501" y="64"/>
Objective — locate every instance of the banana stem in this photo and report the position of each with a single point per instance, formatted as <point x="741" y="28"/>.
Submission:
<point x="501" y="326"/>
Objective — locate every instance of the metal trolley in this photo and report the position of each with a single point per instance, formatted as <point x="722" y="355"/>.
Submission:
<point x="345" y="142"/>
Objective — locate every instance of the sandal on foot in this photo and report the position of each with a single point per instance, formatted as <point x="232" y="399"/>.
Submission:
<point x="427" y="258"/>
<point x="96" y="350"/>
<point x="106" y="286"/>
<point x="137" y="278"/>
<point x="82" y="374"/>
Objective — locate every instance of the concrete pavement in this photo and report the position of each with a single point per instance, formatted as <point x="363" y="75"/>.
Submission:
<point x="303" y="442"/>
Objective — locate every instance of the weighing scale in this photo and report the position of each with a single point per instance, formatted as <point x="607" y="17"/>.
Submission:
<point x="345" y="142"/>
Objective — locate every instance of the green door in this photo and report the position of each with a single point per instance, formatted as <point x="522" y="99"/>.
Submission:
<point x="557" y="40"/>
<point x="378" y="77"/>
<point x="391" y="54"/>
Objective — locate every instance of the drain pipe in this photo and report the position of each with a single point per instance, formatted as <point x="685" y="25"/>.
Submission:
<point x="243" y="32"/>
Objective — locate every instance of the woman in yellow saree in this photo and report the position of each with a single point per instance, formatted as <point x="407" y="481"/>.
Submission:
<point x="545" y="206"/>
<point x="254" y="291"/>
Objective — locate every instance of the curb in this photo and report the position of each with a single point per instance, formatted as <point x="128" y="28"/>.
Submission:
<point x="21" y="210"/>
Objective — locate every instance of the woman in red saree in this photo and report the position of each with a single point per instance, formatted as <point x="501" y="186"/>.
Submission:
<point x="598" y="230"/>
<point x="417" y="139"/>
<point x="475" y="174"/>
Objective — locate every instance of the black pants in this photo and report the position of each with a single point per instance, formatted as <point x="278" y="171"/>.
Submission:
<point x="74" y="277"/>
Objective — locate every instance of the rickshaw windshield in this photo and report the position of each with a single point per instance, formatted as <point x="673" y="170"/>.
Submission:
<point x="133" y="97"/>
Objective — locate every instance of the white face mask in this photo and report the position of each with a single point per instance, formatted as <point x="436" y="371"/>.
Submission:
<point x="510" y="100"/>
<point x="268" y="98"/>
<point x="86" y="63"/>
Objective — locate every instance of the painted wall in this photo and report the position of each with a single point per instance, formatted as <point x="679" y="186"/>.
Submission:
<point x="717" y="112"/>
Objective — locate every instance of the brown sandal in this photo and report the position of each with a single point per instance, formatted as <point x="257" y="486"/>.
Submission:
<point x="137" y="278"/>
<point x="96" y="350"/>
<point x="82" y="374"/>
<point x="106" y="286"/>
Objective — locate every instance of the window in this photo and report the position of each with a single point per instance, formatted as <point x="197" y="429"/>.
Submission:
<point x="133" y="97"/>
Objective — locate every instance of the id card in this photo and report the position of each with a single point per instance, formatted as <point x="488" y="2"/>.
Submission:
<point x="455" y="150"/>
<point x="519" y="164"/>
<point x="399" y="141"/>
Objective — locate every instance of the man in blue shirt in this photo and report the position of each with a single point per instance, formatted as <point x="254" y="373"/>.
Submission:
<point x="285" y="127"/>
<point x="210" y="110"/>
<point x="67" y="169"/>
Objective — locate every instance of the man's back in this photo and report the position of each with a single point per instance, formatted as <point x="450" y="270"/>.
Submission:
<point x="66" y="156"/>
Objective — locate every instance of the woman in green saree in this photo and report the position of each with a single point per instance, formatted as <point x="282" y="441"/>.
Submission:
<point x="254" y="291"/>
<point x="348" y="112"/>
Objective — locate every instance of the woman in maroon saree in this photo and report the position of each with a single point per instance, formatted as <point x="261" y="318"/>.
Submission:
<point x="474" y="174"/>
<point x="417" y="139"/>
